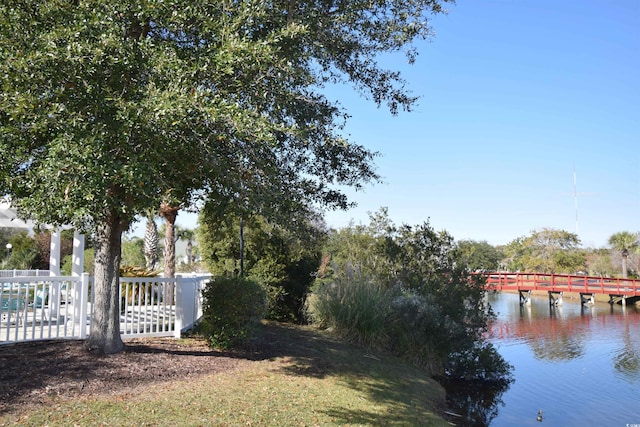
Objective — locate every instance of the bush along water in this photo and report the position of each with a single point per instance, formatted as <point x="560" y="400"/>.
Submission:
<point x="232" y="308"/>
<point x="403" y="289"/>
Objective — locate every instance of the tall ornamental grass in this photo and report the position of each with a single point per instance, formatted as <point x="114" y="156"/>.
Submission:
<point x="356" y="308"/>
<point x="369" y="314"/>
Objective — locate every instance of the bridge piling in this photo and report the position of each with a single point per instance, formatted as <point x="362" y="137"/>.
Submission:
<point x="525" y="297"/>
<point x="615" y="298"/>
<point x="587" y="298"/>
<point x="553" y="300"/>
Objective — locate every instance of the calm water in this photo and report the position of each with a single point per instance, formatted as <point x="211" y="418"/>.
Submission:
<point x="579" y="365"/>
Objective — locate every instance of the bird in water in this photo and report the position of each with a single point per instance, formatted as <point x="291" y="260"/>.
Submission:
<point x="539" y="417"/>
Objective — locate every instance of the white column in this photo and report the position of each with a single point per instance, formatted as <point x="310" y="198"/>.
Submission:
<point x="54" y="270"/>
<point x="77" y="259"/>
<point x="54" y="255"/>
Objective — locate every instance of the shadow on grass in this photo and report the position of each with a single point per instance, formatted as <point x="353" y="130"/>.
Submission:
<point x="409" y="394"/>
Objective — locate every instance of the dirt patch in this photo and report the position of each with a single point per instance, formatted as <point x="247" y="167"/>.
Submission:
<point x="37" y="372"/>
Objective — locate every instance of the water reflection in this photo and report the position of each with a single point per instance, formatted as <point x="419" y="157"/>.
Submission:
<point x="475" y="404"/>
<point x="563" y="333"/>
<point x="627" y="360"/>
<point x="556" y="338"/>
<point x="568" y="359"/>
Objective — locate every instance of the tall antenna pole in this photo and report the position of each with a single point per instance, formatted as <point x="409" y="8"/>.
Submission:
<point x="575" y="195"/>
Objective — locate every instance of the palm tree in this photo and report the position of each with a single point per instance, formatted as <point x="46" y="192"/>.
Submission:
<point x="624" y="242"/>
<point x="151" y="241"/>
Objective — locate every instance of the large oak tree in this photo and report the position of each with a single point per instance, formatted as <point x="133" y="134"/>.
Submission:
<point x="111" y="108"/>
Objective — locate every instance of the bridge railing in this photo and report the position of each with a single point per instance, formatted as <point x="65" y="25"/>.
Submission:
<point x="563" y="283"/>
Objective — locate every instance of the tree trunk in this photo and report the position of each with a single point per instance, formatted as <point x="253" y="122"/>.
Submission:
<point x="625" y="254"/>
<point x="241" y="248"/>
<point x="105" y="329"/>
<point x="169" y="213"/>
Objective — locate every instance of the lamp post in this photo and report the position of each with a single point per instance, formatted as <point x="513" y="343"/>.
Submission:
<point x="9" y="247"/>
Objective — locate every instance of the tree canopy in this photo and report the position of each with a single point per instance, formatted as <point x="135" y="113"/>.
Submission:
<point x="479" y="255"/>
<point x="546" y="251"/>
<point x="109" y="109"/>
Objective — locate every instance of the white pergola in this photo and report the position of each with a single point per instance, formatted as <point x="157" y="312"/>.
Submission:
<point x="9" y="219"/>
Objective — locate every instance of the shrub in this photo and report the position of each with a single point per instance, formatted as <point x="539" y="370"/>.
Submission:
<point x="232" y="307"/>
<point x="418" y="331"/>
<point x="286" y="282"/>
<point x="271" y="275"/>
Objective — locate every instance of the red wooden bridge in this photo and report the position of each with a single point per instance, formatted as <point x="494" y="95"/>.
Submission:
<point x="619" y="290"/>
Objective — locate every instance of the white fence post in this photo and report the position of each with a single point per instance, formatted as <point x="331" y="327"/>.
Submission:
<point x="84" y="305"/>
<point x="54" y="300"/>
<point x="179" y="319"/>
<point x="54" y="253"/>
<point x="189" y="301"/>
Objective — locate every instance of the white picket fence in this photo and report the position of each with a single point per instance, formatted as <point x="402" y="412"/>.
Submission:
<point x="55" y="307"/>
<point x="22" y="273"/>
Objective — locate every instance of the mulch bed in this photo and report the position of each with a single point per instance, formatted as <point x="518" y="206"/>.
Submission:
<point x="33" y="373"/>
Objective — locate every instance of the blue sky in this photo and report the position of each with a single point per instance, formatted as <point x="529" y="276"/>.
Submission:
<point x="515" y="96"/>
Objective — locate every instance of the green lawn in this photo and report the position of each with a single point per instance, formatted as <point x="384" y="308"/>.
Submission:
<point x="314" y="381"/>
